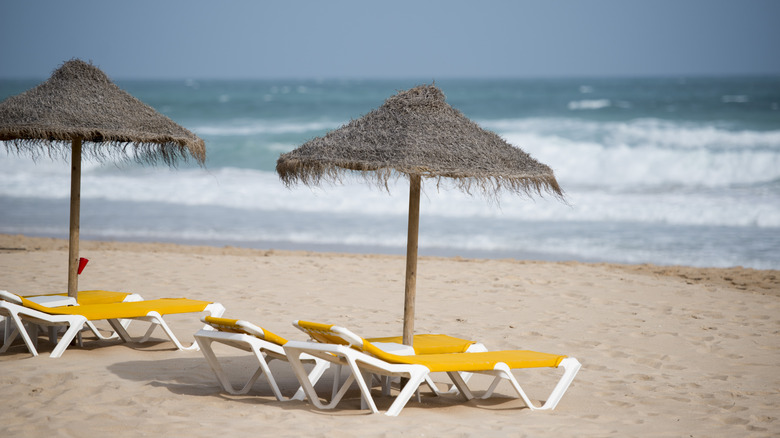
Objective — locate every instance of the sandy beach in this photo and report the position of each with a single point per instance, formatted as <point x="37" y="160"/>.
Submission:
<point x="666" y="351"/>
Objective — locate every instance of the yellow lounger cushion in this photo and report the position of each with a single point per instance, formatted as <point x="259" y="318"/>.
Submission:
<point x="321" y="332"/>
<point x="471" y="361"/>
<point x="225" y="324"/>
<point x="133" y="309"/>
<point x="235" y="326"/>
<point x="431" y="343"/>
<point x="94" y="296"/>
<point x="423" y="344"/>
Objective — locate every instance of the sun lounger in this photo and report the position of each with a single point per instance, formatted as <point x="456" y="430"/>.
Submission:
<point x="62" y="299"/>
<point x="267" y="346"/>
<point x="20" y="309"/>
<point x="341" y="346"/>
<point x="87" y="297"/>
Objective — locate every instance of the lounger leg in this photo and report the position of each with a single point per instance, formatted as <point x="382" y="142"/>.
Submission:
<point x="8" y="338"/>
<point x="502" y="371"/>
<point x="53" y="334"/>
<point x="409" y="389"/>
<point x="120" y="330"/>
<point x="264" y="369"/>
<point x="18" y="329"/>
<point x="435" y="389"/>
<point x="34" y="329"/>
<point x="477" y="347"/>
<point x="152" y="326"/>
<point x="293" y="356"/>
<point x="314" y="376"/>
<point x="368" y="380"/>
<point x="67" y="337"/>
<point x="361" y="381"/>
<point x="336" y="379"/>
<point x="340" y="394"/>
<point x="457" y="379"/>
<point x="156" y="319"/>
<point x="55" y="330"/>
<point x="571" y="366"/>
<point x="215" y="309"/>
<point x="492" y="387"/>
<point x="7" y="328"/>
<point x="96" y="331"/>
<point x="179" y="345"/>
<point x="386" y="381"/>
<point x="211" y="358"/>
<point x="12" y="336"/>
<point x="125" y="322"/>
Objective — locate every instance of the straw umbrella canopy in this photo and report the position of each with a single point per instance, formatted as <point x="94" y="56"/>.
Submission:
<point x="417" y="134"/>
<point x="79" y="108"/>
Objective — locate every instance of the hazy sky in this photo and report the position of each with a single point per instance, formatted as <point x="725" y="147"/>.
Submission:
<point x="391" y="38"/>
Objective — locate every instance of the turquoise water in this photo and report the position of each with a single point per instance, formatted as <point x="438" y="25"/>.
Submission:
<point x="659" y="170"/>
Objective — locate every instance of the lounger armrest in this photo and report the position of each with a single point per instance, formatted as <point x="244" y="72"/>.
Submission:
<point x="317" y="346"/>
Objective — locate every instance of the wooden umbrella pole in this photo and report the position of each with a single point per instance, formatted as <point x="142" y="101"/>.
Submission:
<point x="411" y="258"/>
<point x="75" y="199"/>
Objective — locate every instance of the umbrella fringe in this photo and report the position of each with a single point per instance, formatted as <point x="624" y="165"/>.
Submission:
<point x="292" y="172"/>
<point x="139" y="152"/>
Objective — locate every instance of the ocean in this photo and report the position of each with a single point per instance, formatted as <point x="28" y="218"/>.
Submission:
<point x="655" y="170"/>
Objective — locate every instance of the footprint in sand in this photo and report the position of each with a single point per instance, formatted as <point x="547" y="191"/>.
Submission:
<point x="735" y="421"/>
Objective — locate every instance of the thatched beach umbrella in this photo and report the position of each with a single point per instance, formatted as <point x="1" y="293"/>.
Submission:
<point x="416" y="133"/>
<point x="79" y="107"/>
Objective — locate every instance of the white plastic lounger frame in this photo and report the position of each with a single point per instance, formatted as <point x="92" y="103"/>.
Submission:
<point x="15" y="313"/>
<point x="20" y="313"/>
<point x="406" y="350"/>
<point x="362" y="365"/>
<point x="156" y="320"/>
<point x="254" y="342"/>
<point x="42" y="299"/>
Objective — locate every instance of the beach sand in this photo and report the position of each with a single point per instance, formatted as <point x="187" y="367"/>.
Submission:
<point x="665" y="351"/>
